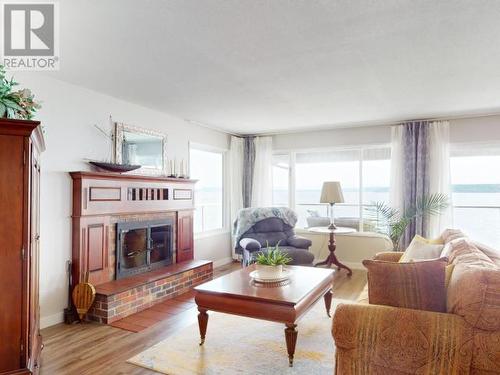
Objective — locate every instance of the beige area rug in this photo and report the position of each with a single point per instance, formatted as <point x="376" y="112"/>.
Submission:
<point x="238" y="345"/>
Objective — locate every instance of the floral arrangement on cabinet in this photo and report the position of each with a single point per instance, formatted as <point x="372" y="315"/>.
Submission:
<point x="18" y="104"/>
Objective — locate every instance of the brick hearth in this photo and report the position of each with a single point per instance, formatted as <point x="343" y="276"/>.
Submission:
<point x="120" y="298"/>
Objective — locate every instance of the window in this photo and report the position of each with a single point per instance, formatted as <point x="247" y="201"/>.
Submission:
<point x="476" y="192"/>
<point x="207" y="167"/>
<point x="363" y="173"/>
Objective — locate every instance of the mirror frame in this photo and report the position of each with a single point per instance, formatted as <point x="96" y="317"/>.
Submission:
<point x="121" y="128"/>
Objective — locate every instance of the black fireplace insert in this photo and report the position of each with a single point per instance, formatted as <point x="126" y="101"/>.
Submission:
<point x="142" y="246"/>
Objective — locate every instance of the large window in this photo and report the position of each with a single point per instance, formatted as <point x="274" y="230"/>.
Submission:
<point x="363" y="173"/>
<point x="476" y="192"/>
<point x="281" y="178"/>
<point x="207" y="166"/>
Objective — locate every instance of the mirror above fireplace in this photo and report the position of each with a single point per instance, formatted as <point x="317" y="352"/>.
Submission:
<point x="144" y="147"/>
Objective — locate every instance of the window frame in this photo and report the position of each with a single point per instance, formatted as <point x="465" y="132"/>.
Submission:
<point x="225" y="197"/>
<point x="361" y="149"/>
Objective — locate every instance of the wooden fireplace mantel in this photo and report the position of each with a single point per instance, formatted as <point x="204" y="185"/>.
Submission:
<point x="100" y="199"/>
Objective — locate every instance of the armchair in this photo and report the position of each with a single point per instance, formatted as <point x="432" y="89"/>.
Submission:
<point x="271" y="231"/>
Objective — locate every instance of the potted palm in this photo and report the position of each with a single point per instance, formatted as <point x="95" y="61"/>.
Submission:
<point x="393" y="222"/>
<point x="269" y="264"/>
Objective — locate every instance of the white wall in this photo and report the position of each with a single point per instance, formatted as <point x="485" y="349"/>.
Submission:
<point x="475" y="129"/>
<point x="68" y="115"/>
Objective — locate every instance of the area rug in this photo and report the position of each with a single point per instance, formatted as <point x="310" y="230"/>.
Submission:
<point x="238" y="345"/>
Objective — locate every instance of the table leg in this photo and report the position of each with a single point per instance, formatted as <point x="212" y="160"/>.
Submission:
<point x="339" y="265"/>
<point x="202" y="323"/>
<point x="291" y="339"/>
<point x="328" y="302"/>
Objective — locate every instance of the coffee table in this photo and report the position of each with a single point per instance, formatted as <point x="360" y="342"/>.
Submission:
<point x="236" y="294"/>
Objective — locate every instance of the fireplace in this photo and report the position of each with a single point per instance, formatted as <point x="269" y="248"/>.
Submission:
<point x="142" y="246"/>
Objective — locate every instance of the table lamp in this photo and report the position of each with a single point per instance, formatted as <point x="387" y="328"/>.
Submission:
<point x="331" y="193"/>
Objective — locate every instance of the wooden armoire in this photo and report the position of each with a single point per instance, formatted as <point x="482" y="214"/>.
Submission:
<point x="21" y="143"/>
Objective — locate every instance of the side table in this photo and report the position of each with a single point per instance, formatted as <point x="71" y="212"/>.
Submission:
<point x="332" y="245"/>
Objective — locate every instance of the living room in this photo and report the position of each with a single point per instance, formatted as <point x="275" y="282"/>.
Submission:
<point x="290" y="157"/>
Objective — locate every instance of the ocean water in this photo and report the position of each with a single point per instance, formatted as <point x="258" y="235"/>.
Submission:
<point x="476" y="208"/>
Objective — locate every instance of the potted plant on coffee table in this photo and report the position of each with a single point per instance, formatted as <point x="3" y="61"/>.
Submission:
<point x="269" y="263"/>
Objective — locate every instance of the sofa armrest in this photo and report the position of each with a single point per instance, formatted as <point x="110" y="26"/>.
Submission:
<point x="389" y="256"/>
<point x="397" y="340"/>
<point x="299" y="242"/>
<point x="250" y="244"/>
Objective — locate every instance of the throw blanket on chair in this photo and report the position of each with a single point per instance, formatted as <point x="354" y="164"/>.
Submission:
<point x="247" y="217"/>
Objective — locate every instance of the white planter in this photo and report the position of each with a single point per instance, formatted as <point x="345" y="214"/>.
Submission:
<point x="269" y="272"/>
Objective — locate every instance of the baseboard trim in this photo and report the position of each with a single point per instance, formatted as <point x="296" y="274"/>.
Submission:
<point x="51" y="320"/>
<point x="222" y="262"/>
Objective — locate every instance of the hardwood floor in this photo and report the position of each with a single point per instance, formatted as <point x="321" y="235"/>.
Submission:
<point x="85" y="349"/>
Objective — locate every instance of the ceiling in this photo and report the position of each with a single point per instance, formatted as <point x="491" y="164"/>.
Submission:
<point x="262" y="66"/>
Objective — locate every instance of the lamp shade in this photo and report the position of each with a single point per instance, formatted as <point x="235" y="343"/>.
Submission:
<point x="331" y="192"/>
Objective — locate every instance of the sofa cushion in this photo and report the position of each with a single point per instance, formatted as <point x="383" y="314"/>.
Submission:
<point x="421" y="249"/>
<point x="299" y="242"/>
<point x="463" y="251"/>
<point x="415" y="285"/>
<point x="452" y="234"/>
<point x="299" y="256"/>
<point x="474" y="294"/>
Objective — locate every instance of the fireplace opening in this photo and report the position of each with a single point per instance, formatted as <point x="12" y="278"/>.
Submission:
<point x="142" y="246"/>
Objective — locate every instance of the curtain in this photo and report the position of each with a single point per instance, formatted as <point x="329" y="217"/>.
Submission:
<point x="396" y="186"/>
<point x="235" y="169"/>
<point x="416" y="174"/>
<point x="262" y="175"/>
<point x="420" y="166"/>
<point x="439" y="173"/>
<point x="248" y="169"/>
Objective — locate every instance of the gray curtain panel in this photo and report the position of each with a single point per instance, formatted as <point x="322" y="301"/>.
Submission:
<point x="415" y="173"/>
<point x="248" y="168"/>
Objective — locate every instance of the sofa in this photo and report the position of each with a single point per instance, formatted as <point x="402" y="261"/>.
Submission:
<point x="376" y="339"/>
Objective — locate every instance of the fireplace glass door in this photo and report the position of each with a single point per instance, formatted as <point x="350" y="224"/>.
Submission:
<point x="160" y="240"/>
<point x="134" y="249"/>
<point x="142" y="246"/>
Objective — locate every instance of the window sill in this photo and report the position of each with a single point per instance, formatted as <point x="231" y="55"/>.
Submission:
<point x="211" y="233"/>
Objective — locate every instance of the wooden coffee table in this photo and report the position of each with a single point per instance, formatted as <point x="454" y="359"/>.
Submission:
<point x="236" y="294"/>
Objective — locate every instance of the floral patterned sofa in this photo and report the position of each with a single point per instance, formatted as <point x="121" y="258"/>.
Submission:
<point x="375" y="339"/>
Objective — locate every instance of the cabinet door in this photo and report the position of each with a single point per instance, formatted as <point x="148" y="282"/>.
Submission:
<point x="95" y="251"/>
<point x="11" y="245"/>
<point x="185" y="236"/>
<point x="34" y="252"/>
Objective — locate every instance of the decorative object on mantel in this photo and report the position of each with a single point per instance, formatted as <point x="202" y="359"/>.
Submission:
<point x="108" y="165"/>
<point x="83" y="298"/>
<point x="134" y="145"/>
<point x="114" y="167"/>
<point x="174" y="173"/>
<point x="18" y="104"/>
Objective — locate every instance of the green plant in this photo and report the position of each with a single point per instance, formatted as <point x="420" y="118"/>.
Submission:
<point x="273" y="256"/>
<point x="393" y="222"/>
<point x="19" y="104"/>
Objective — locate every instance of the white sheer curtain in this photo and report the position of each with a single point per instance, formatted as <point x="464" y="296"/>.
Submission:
<point x="262" y="195"/>
<point x="235" y="168"/>
<point x="439" y="173"/>
<point x="396" y="187"/>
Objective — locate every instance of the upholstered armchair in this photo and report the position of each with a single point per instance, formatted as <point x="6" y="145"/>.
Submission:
<point x="268" y="232"/>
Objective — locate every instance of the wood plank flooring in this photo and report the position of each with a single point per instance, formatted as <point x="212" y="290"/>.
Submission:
<point x="93" y="349"/>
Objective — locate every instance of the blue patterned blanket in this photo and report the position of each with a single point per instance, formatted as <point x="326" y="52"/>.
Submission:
<point x="247" y="217"/>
